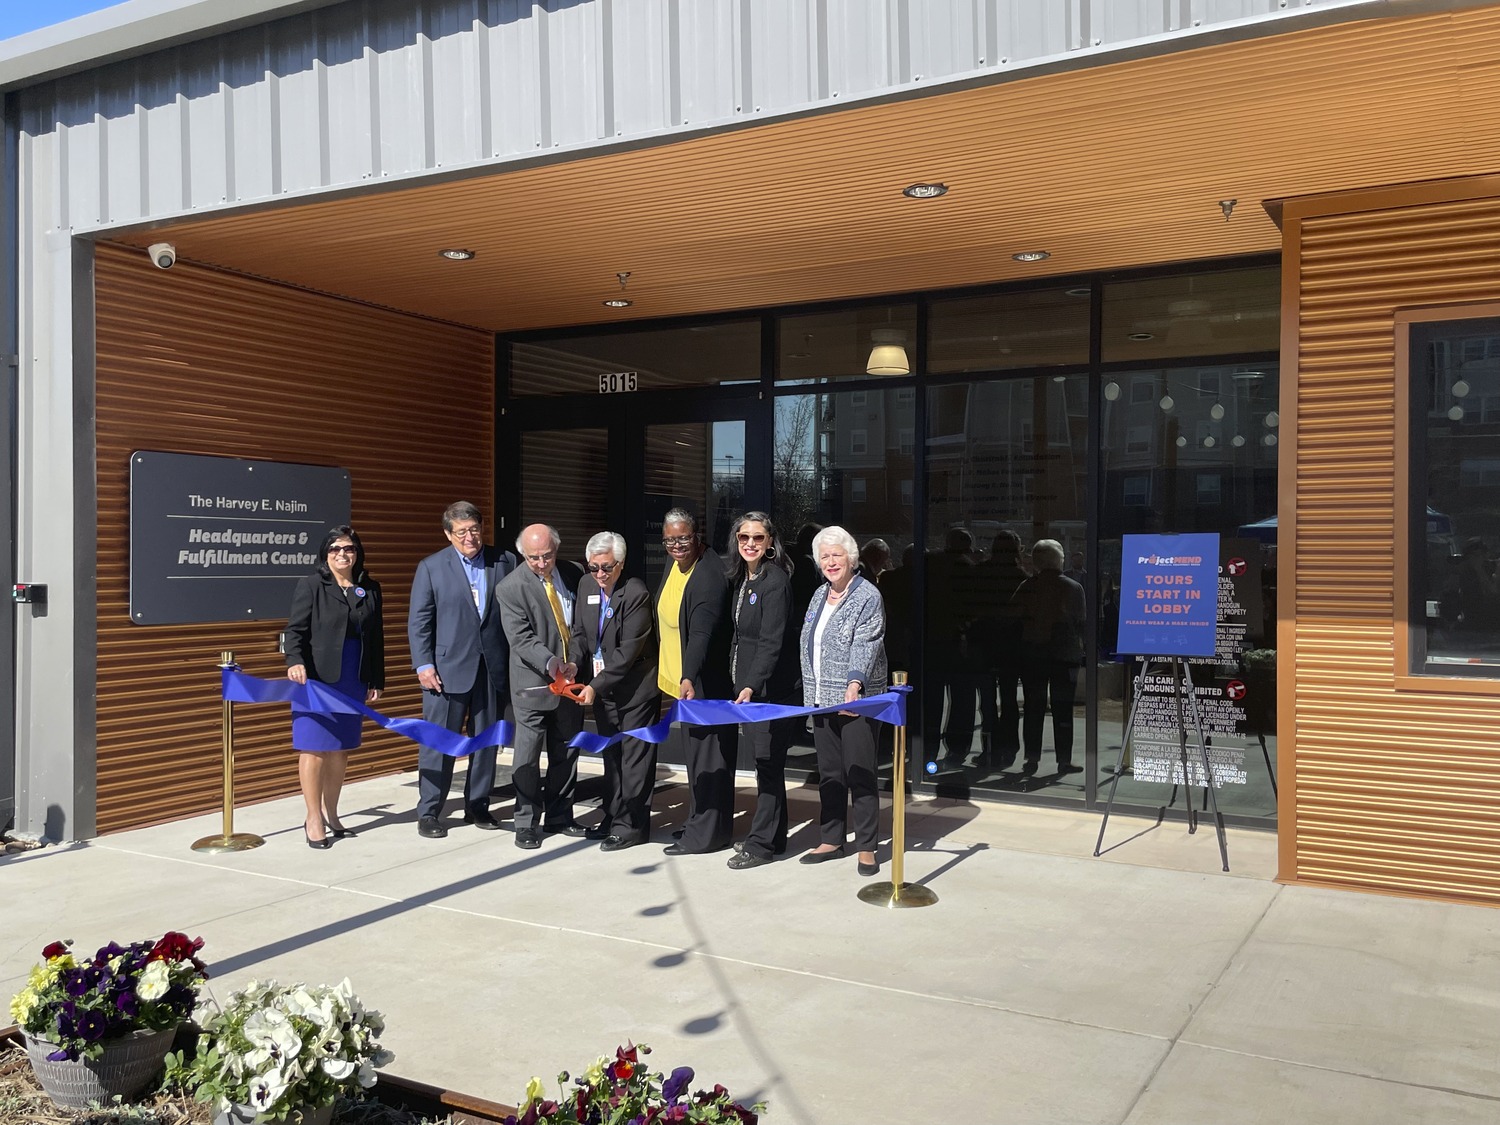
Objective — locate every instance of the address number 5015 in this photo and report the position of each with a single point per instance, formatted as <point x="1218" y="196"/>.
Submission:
<point x="617" y="382"/>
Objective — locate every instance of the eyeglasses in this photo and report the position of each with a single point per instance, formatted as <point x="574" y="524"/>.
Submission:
<point x="545" y="556"/>
<point x="743" y="538"/>
<point x="602" y="568"/>
<point x="678" y="540"/>
<point x="343" y="550"/>
<point x="467" y="533"/>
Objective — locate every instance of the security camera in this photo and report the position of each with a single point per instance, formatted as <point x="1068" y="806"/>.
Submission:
<point x="163" y="255"/>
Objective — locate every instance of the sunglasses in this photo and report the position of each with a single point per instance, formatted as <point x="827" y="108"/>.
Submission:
<point x="602" y="568"/>
<point x="343" y="550"/>
<point x="678" y="541"/>
<point x="744" y="538"/>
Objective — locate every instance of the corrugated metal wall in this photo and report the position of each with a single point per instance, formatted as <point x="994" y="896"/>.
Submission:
<point x="193" y="361"/>
<point x="1392" y="788"/>
<point x="369" y="90"/>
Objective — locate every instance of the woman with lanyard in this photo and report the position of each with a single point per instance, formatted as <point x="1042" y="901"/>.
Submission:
<point x="334" y="635"/>
<point x="763" y="668"/>
<point x="843" y="659"/>
<point x="613" y="622"/>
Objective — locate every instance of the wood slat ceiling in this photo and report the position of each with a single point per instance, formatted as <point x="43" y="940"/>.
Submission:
<point x="1108" y="167"/>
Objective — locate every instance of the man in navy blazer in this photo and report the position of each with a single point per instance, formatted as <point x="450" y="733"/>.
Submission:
<point x="536" y="609"/>
<point x="459" y="651"/>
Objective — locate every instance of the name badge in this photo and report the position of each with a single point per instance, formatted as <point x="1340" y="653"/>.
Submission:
<point x="598" y="664"/>
<point x="593" y="599"/>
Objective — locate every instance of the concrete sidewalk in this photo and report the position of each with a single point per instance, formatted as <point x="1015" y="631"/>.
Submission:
<point x="1045" y="986"/>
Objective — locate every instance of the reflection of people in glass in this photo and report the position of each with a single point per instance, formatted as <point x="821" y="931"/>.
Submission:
<point x="763" y="665"/>
<point x="999" y="642"/>
<point x="1478" y="589"/>
<point x="1052" y="615"/>
<point x="875" y="559"/>
<point x="952" y="605"/>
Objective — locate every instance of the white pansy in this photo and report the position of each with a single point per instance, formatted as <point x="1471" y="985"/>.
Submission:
<point x="154" y="981"/>
<point x="338" y="1069"/>
<point x="267" y="1089"/>
<point x="366" y="1075"/>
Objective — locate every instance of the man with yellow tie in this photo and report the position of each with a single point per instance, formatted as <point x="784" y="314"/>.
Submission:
<point x="536" y="610"/>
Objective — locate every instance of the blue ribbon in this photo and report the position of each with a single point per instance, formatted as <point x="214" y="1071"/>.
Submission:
<point x="888" y="707"/>
<point x="320" y="699"/>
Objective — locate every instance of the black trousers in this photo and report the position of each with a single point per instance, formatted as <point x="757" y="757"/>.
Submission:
<point x="1049" y="682"/>
<point x="480" y="707"/>
<point x="710" y="775"/>
<point x="846" y="774"/>
<point x="629" y="770"/>
<point x="769" y="742"/>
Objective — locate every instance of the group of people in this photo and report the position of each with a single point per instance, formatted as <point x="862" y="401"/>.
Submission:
<point x="492" y="631"/>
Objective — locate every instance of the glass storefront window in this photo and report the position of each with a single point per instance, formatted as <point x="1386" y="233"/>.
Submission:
<point x="1035" y="328"/>
<point x="1195" y="449"/>
<point x="1224" y="312"/>
<point x="1455" y="497"/>
<point x="575" y="513"/>
<point x="700" y="355"/>
<point x="1007" y="467"/>
<point x="846" y="344"/>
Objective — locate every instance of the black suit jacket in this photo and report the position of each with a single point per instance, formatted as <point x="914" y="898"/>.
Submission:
<point x="443" y="627"/>
<point x="705" y="627"/>
<point x="764" y="657"/>
<point x="628" y="644"/>
<point x="319" y="622"/>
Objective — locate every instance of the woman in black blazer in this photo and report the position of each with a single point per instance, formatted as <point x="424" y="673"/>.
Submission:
<point x="334" y="635"/>
<point x="615" y="639"/>
<point x="763" y="663"/>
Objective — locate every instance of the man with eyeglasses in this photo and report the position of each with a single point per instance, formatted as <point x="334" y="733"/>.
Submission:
<point x="615" y="640"/>
<point x="459" y="651"/>
<point x="536" y="609"/>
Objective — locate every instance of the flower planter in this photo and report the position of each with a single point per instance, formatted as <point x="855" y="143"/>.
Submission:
<point x="124" y="1070"/>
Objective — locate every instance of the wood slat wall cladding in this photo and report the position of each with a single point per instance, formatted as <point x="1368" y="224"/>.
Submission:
<point x="1394" y="788"/>
<point x="197" y="361"/>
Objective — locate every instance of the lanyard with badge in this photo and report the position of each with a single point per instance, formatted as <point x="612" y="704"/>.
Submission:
<point x="606" y="611"/>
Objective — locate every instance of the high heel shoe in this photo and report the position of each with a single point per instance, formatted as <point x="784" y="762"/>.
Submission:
<point x="321" y="845"/>
<point x="340" y="833"/>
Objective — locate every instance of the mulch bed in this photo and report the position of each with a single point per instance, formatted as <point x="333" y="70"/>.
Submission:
<point x="22" y="1102"/>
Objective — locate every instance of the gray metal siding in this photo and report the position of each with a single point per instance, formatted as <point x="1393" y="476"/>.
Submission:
<point x="372" y="90"/>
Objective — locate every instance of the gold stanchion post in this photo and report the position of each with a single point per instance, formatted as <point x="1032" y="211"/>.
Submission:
<point x="898" y="894"/>
<point x="228" y="840"/>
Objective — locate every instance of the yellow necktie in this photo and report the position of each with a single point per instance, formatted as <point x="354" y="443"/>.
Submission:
<point x="557" y="614"/>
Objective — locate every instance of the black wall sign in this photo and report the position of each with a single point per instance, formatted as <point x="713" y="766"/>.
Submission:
<point x="221" y="539"/>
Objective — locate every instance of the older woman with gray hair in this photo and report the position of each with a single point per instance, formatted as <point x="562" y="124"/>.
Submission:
<point x="614" y="636"/>
<point x="1051" y="608"/>
<point x="843" y="659"/>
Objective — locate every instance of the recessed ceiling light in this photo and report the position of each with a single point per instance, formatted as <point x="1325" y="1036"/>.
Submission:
<point x="924" y="191"/>
<point x="1032" y="256"/>
<point x="618" y="303"/>
<point x="1141" y="336"/>
<point x="456" y="255"/>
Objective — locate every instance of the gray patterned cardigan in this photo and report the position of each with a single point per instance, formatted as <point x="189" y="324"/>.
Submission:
<point x="853" y="644"/>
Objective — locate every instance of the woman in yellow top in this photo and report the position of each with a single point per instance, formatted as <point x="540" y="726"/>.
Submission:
<point x="693" y="663"/>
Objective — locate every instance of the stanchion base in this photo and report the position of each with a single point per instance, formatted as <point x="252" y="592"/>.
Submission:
<point x="239" y="842"/>
<point x="897" y="898"/>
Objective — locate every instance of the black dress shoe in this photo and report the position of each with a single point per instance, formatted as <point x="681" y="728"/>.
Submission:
<point x="343" y="833"/>
<point x="320" y="845"/>
<point x="676" y="849"/>
<point x="618" y="843"/>
<point x="599" y="832"/>
<point x="821" y="857"/>
<point x="528" y="838"/>
<point x="1068" y="767"/>
<point x="869" y="868"/>
<point x="741" y="860"/>
<point x="566" y="830"/>
<point x="483" y="819"/>
<point x="431" y="827"/>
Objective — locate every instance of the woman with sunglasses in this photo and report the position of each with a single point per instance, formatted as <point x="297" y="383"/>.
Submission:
<point x="335" y="636"/>
<point x="614" y="637"/>
<point x="764" y="666"/>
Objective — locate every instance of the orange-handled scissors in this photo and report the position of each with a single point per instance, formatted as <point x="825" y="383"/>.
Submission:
<point x="558" y="686"/>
